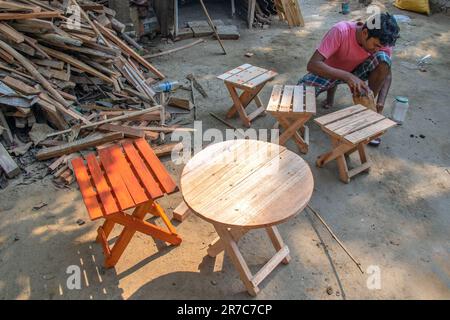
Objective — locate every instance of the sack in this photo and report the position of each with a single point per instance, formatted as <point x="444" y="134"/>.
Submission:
<point x="421" y="6"/>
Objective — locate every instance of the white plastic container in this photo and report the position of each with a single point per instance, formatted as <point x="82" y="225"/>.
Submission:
<point x="399" y="109"/>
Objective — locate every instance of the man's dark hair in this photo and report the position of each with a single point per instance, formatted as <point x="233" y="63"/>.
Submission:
<point x="387" y="30"/>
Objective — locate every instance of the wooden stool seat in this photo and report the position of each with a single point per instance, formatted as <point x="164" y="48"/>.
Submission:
<point x="122" y="177"/>
<point x="250" y="80"/>
<point x="293" y="106"/>
<point x="350" y="130"/>
<point x="227" y="185"/>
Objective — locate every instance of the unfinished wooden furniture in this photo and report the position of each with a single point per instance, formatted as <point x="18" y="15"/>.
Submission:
<point x="350" y="130"/>
<point x="250" y="80"/>
<point x="240" y="185"/>
<point x="125" y="177"/>
<point x="293" y="106"/>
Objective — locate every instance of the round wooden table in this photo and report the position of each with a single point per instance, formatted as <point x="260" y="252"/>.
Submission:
<point x="239" y="185"/>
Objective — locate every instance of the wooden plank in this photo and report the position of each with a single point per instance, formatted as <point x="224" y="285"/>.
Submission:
<point x="77" y="145"/>
<point x="7" y="163"/>
<point x="11" y="33"/>
<point x="180" y="103"/>
<point x="115" y="181"/>
<point x="158" y="169"/>
<point x="54" y="64"/>
<point x="128" y="132"/>
<point x="297" y="103"/>
<point x="286" y="100"/>
<point x="142" y="171"/>
<point x="101" y="185"/>
<point x="335" y="116"/>
<point x="369" y="131"/>
<point x="76" y="63"/>
<point x="87" y="191"/>
<point x="36" y="15"/>
<point x="181" y="212"/>
<point x="230" y="73"/>
<point x="121" y="164"/>
<point x="274" y="101"/>
<point x="166" y="149"/>
<point x="20" y="86"/>
<point x="310" y="99"/>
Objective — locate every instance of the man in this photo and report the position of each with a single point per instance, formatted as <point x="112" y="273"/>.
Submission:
<point x="353" y="53"/>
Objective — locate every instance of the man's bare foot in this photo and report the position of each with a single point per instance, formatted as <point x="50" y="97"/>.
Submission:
<point x="330" y="98"/>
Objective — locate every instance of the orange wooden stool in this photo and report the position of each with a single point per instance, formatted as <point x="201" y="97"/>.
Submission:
<point x="123" y="177"/>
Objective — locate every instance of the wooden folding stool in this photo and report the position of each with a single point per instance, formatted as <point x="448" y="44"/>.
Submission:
<point x="122" y="177"/>
<point x="293" y="106"/>
<point x="350" y="130"/>
<point x="250" y="80"/>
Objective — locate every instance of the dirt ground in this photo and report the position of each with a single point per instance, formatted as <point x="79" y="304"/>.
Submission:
<point x="396" y="218"/>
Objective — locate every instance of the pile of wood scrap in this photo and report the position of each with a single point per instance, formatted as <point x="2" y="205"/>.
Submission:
<point x="70" y="80"/>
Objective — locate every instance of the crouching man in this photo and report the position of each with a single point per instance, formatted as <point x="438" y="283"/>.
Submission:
<point x="353" y="53"/>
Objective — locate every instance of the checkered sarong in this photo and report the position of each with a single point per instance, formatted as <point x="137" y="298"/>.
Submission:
<point x="362" y="71"/>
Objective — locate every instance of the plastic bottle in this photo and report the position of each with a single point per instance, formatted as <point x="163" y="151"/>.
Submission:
<point x="166" y="86"/>
<point x="399" y="109"/>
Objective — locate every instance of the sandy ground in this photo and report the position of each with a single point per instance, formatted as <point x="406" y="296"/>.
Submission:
<point x="396" y="217"/>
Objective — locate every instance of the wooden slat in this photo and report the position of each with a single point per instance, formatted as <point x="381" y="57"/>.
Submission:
<point x="369" y="131"/>
<point x="246" y="75"/>
<point x="348" y="120"/>
<point x="360" y="124"/>
<point x="19" y="86"/>
<point x="36" y="15"/>
<point x="133" y="185"/>
<point x="335" y="116"/>
<point x="310" y="99"/>
<point x="86" y="189"/>
<point x="77" y="145"/>
<point x="164" y="179"/>
<point x="297" y="103"/>
<point x="286" y="100"/>
<point x="274" y="101"/>
<point x="260" y="79"/>
<point x="115" y="180"/>
<point x="142" y="171"/>
<point x="234" y="71"/>
<point x="103" y="190"/>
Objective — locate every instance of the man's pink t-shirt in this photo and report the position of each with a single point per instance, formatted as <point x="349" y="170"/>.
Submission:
<point x="340" y="48"/>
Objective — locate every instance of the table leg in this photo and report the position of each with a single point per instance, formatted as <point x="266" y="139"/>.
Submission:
<point x="217" y="246"/>
<point x="237" y="259"/>
<point x="277" y="241"/>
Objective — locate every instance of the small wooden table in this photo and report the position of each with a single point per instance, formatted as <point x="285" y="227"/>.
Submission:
<point x="293" y="106"/>
<point x="125" y="176"/>
<point x="250" y="80"/>
<point x="350" y="130"/>
<point x="240" y="185"/>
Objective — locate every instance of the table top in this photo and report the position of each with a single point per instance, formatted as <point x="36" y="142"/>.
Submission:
<point x="121" y="177"/>
<point x="246" y="183"/>
<point x="292" y="99"/>
<point x="247" y="76"/>
<point x="354" y="124"/>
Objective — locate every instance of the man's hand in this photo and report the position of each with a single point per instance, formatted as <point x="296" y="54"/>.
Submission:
<point x="357" y="86"/>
